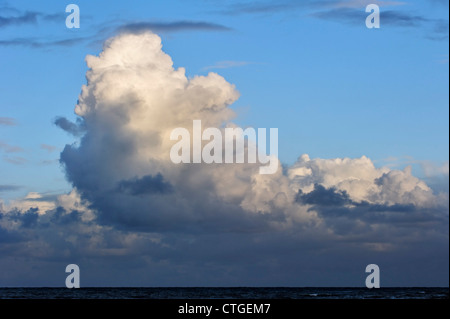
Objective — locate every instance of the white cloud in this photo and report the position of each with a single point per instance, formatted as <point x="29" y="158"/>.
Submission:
<point x="30" y="201"/>
<point x="361" y="180"/>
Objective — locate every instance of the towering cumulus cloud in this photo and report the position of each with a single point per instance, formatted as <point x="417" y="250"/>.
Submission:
<point x="133" y="100"/>
<point x="317" y="222"/>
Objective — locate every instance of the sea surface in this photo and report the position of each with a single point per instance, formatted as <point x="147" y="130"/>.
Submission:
<point x="224" y="293"/>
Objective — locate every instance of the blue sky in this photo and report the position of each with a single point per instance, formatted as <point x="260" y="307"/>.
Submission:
<point x="333" y="88"/>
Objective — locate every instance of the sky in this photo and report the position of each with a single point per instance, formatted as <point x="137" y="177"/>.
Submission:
<point x="362" y="117"/>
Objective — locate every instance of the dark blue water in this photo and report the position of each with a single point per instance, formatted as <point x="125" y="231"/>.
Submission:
<point x="224" y="293"/>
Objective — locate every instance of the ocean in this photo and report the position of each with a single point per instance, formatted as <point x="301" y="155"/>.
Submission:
<point x="224" y="293"/>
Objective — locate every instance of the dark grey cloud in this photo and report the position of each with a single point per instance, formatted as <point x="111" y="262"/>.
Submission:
<point x="76" y="129"/>
<point x="296" y="257"/>
<point x="346" y="216"/>
<point x="30" y="218"/>
<point x="147" y="184"/>
<point x="8" y="237"/>
<point x="324" y="197"/>
<point x="61" y="216"/>
<point x="175" y="26"/>
<point x="34" y="218"/>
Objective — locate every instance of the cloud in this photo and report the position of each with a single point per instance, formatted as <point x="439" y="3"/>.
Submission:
<point x="175" y="26"/>
<point x="12" y="16"/>
<point x="49" y="162"/>
<point x="261" y="7"/>
<point x="333" y="204"/>
<point x="25" y="18"/>
<point x="8" y="121"/>
<point x="36" y="44"/>
<point x="16" y="160"/>
<point x="50" y="239"/>
<point x="272" y="7"/>
<point x="436" y="29"/>
<point x="29" y="218"/>
<point x="55" y="17"/>
<point x="10" y="148"/>
<point x="128" y="116"/>
<point x="324" y="197"/>
<point x="15" y="17"/>
<point x="110" y="28"/>
<point x="127" y="142"/>
<point x="144" y="185"/>
<point x="209" y="224"/>
<point x="75" y="129"/>
<point x="389" y="17"/>
<point x="49" y="148"/>
<point x="9" y="188"/>
<point x="347" y="11"/>
<point x="33" y="200"/>
<point x="7" y="148"/>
